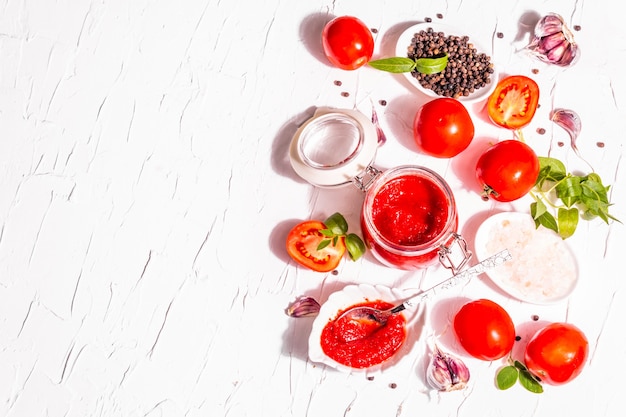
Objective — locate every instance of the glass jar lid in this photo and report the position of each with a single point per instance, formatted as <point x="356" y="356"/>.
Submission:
<point x="333" y="147"/>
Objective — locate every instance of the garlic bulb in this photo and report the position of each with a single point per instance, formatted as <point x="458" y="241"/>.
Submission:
<point x="446" y="372"/>
<point x="553" y="42"/>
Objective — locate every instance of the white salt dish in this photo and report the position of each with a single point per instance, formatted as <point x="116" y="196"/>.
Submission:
<point x="543" y="269"/>
<point x="354" y="294"/>
<point x="405" y="40"/>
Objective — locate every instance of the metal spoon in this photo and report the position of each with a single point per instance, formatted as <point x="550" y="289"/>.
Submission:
<point x="370" y="318"/>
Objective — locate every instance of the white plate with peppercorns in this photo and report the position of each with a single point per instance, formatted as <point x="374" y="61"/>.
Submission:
<point x="469" y="75"/>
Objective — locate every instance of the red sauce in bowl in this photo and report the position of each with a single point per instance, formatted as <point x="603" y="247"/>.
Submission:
<point x="373" y="349"/>
<point x="407" y="215"/>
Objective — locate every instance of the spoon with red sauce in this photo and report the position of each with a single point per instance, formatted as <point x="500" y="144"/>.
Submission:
<point x="364" y="320"/>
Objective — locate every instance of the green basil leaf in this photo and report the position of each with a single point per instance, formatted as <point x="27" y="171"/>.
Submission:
<point x="593" y="206"/>
<point x="568" y="221"/>
<point x="337" y="224"/>
<point x="326" y="233"/>
<point x="396" y="64"/>
<point x="595" y="190"/>
<point x="323" y="244"/>
<point x="569" y="190"/>
<point x="431" y="65"/>
<point x="520" y="366"/>
<point x="537" y="209"/>
<point x="555" y="168"/>
<point x="355" y="245"/>
<point x="546" y="219"/>
<point x="529" y="382"/>
<point x="544" y="174"/>
<point x="507" y="377"/>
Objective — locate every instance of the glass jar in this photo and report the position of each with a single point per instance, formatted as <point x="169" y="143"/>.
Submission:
<point x="338" y="147"/>
<point x="409" y="219"/>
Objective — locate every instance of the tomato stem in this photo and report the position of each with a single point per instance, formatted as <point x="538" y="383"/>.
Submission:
<point x="488" y="191"/>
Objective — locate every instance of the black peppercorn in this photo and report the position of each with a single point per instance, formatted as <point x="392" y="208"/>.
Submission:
<point x="467" y="69"/>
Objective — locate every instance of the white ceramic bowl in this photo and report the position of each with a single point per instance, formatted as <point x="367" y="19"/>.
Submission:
<point x="354" y="294"/>
<point x="543" y="269"/>
<point x="404" y="41"/>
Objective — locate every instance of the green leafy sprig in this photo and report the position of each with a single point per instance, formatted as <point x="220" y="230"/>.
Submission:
<point x="570" y="196"/>
<point x="399" y="64"/>
<point x="337" y="228"/>
<point x="516" y="371"/>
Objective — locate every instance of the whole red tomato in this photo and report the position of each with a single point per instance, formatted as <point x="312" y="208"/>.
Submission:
<point x="557" y="353"/>
<point x="303" y="242"/>
<point x="484" y="329"/>
<point x="507" y="170"/>
<point x="348" y="43"/>
<point x="514" y="101"/>
<point x="443" y="128"/>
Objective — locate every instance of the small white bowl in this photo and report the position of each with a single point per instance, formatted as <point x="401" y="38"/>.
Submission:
<point x="543" y="269"/>
<point x="405" y="40"/>
<point x="354" y="294"/>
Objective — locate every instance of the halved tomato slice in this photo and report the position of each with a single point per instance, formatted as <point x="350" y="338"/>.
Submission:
<point x="303" y="242"/>
<point x="514" y="101"/>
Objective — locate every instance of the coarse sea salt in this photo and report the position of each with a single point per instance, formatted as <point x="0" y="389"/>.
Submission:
<point x="543" y="269"/>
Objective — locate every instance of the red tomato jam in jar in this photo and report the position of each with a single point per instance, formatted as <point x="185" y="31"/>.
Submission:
<point x="408" y="215"/>
<point x="372" y="347"/>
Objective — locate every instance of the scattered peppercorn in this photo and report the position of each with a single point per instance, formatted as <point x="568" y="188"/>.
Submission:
<point x="370" y="378"/>
<point x="500" y="35"/>
<point x="439" y="16"/>
<point x="541" y="130"/>
<point x="393" y="385"/>
<point x="345" y="94"/>
<point x="467" y="69"/>
<point x="335" y="272"/>
<point x="518" y="338"/>
<point x="535" y="71"/>
<point x="338" y="83"/>
<point x="560" y="144"/>
<point x="383" y="102"/>
<point x="535" y="317"/>
<point x="576" y="28"/>
<point x="374" y="30"/>
<point x="428" y="20"/>
<point x="600" y="144"/>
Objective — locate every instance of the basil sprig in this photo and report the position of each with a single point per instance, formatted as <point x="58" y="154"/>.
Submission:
<point x="514" y="371"/>
<point x="576" y="197"/>
<point x="336" y="228"/>
<point x="399" y="64"/>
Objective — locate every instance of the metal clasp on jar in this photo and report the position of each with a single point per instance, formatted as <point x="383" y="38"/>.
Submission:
<point x="454" y="253"/>
<point x="364" y="181"/>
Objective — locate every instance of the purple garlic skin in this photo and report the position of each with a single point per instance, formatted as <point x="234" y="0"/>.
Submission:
<point x="446" y="372"/>
<point x="304" y="307"/>
<point x="553" y="42"/>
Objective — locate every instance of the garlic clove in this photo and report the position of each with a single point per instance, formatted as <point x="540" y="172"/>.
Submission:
<point x="569" y="121"/>
<point x="382" y="138"/>
<point x="549" y="24"/>
<point x="552" y="41"/>
<point x="446" y="372"/>
<point x="569" y="56"/>
<point x="304" y="307"/>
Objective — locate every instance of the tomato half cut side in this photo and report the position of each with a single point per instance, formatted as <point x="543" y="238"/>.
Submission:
<point x="303" y="241"/>
<point x="514" y="102"/>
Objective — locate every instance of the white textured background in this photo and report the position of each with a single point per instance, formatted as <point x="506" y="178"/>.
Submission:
<point x="145" y="195"/>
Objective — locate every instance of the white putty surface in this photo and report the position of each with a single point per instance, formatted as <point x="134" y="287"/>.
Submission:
<point x="145" y="196"/>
